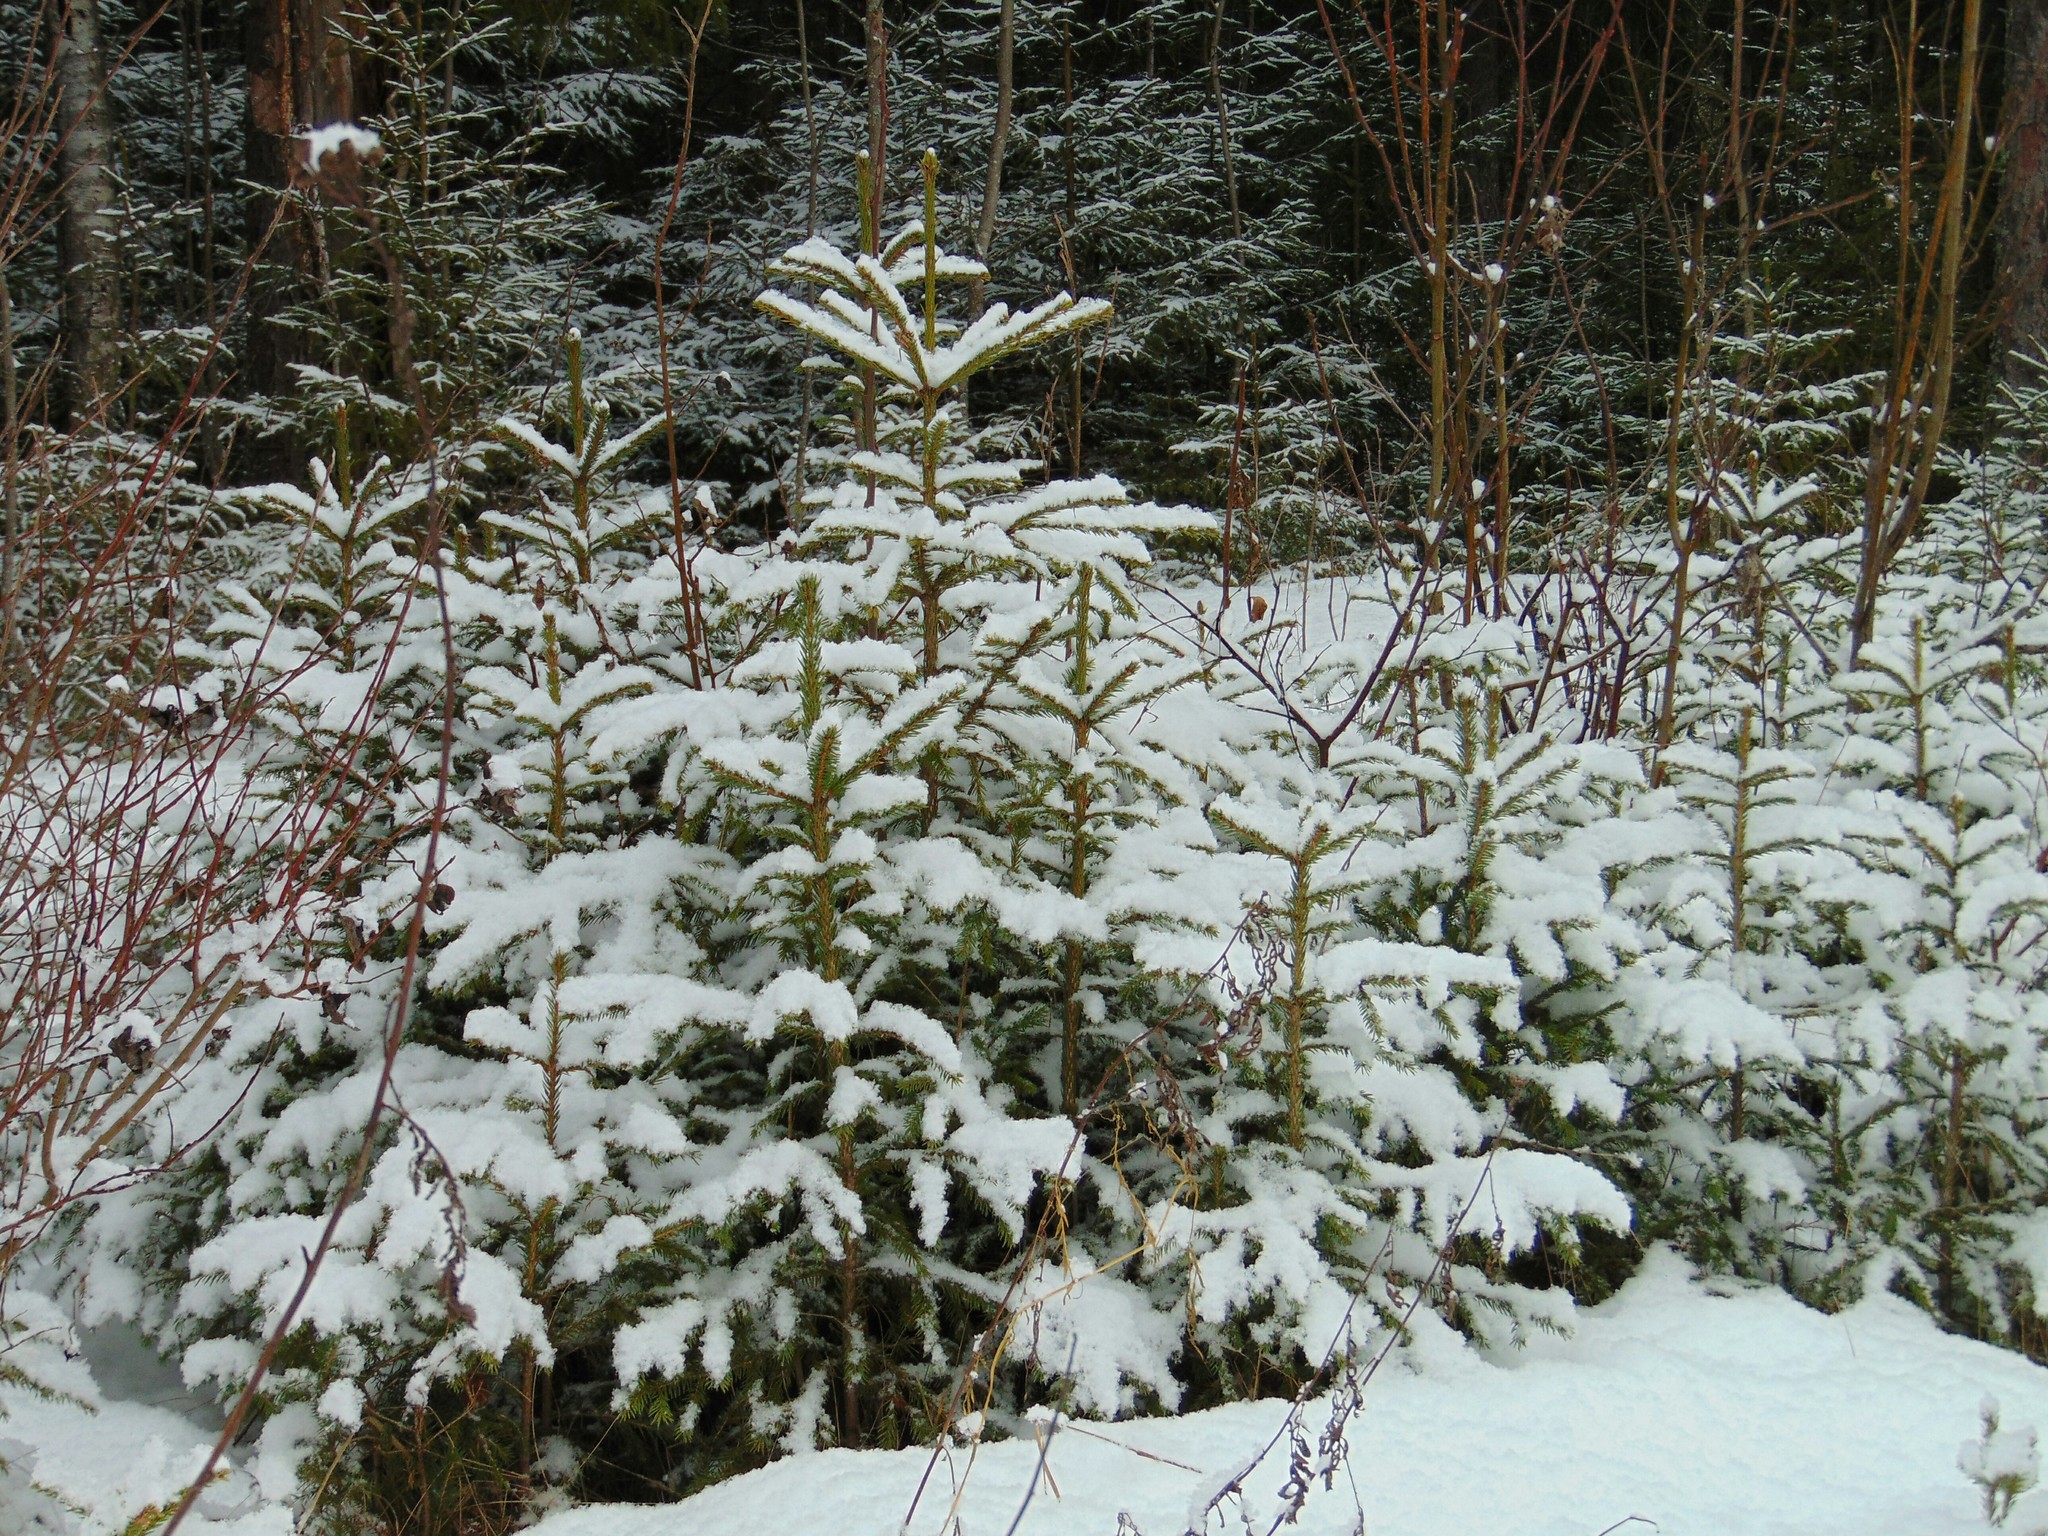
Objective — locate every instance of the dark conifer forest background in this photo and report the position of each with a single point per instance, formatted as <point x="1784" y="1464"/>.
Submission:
<point x="1259" y="189"/>
<point x="736" y="725"/>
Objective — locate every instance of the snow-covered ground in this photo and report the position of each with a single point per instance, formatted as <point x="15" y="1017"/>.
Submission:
<point x="1741" y="1413"/>
<point x="111" y="1435"/>
<point x="1704" y="1410"/>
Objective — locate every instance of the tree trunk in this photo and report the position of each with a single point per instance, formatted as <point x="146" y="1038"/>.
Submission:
<point x="88" y="212"/>
<point x="1222" y="103"/>
<point x="2023" y="193"/>
<point x="1918" y="407"/>
<point x="301" y="75"/>
<point x="878" y="114"/>
<point x="874" y="198"/>
<point x="992" y="191"/>
<point x="1489" y="74"/>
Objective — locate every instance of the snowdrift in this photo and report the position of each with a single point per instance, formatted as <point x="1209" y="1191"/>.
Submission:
<point x="1688" y="1409"/>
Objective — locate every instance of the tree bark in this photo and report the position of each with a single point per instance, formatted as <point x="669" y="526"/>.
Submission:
<point x="878" y="114"/>
<point x="88" y="212"/>
<point x="2023" y="192"/>
<point x="1488" y="72"/>
<point x="1222" y="103"/>
<point x="1923" y="402"/>
<point x="992" y="191"/>
<point x="301" y="75"/>
<point x="795" y="504"/>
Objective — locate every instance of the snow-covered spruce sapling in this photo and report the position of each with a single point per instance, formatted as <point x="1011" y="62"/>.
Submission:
<point x="1758" y="903"/>
<point x="1961" y="1142"/>
<point x="911" y="492"/>
<point x="1093" y="798"/>
<point x="584" y="524"/>
<point x="1751" y="795"/>
<point x="336" y="636"/>
<point x="1496" y="911"/>
<point x="1309" y="834"/>
<point x="819" y="798"/>
<point x="333" y="642"/>
<point x="1935" y="724"/>
<point x="501" y="1163"/>
<point x="541" y="727"/>
<point x="351" y="533"/>
<point x="1906" y="694"/>
<point x="960" y="536"/>
<point x="2005" y="1464"/>
<point x="1283" y="1230"/>
<point x="841" y="778"/>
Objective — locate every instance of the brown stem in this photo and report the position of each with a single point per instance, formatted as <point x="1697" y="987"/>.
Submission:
<point x="991" y="192"/>
<point x="1222" y="104"/>
<point x="1952" y="1171"/>
<point x="12" y="553"/>
<point x="693" y="613"/>
<point x="877" y="34"/>
<point x="1885" y="532"/>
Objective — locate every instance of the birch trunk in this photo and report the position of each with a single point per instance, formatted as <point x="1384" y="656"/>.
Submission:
<point x="88" y="213"/>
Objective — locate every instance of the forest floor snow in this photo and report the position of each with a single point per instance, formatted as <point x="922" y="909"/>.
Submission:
<point x="1698" y="1409"/>
<point x="108" y="1433"/>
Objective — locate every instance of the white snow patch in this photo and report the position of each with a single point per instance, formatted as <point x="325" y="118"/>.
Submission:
<point x="1712" y="1414"/>
<point x="331" y="140"/>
